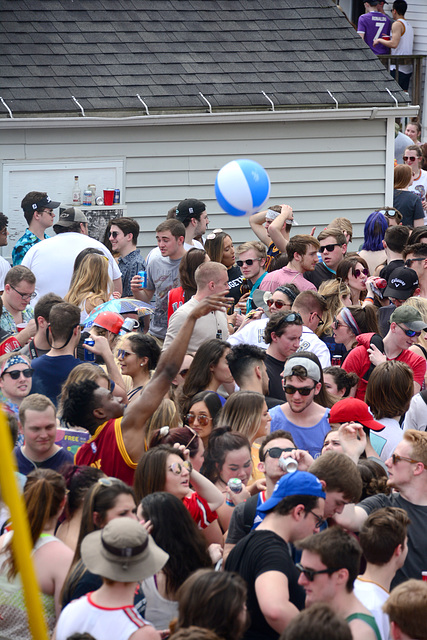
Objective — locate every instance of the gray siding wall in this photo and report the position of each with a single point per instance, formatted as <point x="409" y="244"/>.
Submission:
<point x="322" y="169"/>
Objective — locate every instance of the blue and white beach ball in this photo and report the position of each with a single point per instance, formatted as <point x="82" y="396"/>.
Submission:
<point x="242" y="187"/>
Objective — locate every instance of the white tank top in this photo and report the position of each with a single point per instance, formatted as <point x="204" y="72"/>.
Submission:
<point x="84" y="616"/>
<point x="405" y="46"/>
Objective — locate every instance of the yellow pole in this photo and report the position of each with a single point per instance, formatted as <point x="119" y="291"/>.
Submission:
<point x="22" y="544"/>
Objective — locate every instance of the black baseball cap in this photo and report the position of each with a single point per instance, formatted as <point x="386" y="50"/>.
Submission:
<point x="401" y="283"/>
<point x="189" y="208"/>
<point x="44" y="203"/>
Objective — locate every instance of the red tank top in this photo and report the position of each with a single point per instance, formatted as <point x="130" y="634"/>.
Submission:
<point x="106" y="450"/>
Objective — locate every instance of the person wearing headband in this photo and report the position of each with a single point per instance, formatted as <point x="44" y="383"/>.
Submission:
<point x="39" y="213"/>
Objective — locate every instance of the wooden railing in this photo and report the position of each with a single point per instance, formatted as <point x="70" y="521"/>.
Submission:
<point x="415" y="87"/>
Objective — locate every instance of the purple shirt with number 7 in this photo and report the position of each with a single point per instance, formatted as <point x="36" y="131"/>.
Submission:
<point x="375" y="25"/>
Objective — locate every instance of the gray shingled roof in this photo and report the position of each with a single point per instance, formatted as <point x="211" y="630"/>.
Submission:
<point x="104" y="52"/>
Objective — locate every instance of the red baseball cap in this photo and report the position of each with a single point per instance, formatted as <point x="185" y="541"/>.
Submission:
<point x="354" y="410"/>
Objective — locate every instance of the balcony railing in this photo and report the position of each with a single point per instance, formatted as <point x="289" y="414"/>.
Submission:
<point x="415" y="87"/>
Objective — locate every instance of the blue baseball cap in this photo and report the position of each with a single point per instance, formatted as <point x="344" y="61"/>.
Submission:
<point x="299" y="483"/>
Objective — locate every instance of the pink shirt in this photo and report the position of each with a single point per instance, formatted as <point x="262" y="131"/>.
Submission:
<point x="284" y="276"/>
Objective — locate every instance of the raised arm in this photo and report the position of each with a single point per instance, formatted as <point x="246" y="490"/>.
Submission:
<point x="257" y="221"/>
<point x="277" y="229"/>
<point x="138" y="412"/>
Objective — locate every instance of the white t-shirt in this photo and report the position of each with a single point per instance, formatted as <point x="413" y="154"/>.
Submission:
<point x="311" y="342"/>
<point x="416" y="416"/>
<point x="419" y="186"/>
<point x="372" y="596"/>
<point x="52" y="262"/>
<point x="252" y="333"/>
<point x="386" y="441"/>
<point x="4" y="268"/>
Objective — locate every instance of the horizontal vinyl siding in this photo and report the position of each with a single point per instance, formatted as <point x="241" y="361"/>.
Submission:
<point x="323" y="170"/>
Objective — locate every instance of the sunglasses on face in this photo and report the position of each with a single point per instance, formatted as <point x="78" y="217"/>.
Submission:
<point x="409" y="332"/>
<point x="202" y="419"/>
<point x="303" y="391"/>
<point x="329" y="247"/>
<point x="183" y="372"/>
<point x="311" y="573"/>
<point x="114" y="234"/>
<point x="409" y="261"/>
<point x="249" y="262"/>
<point x="410" y="158"/>
<point x="178" y="467"/>
<point x="395" y="458"/>
<point x="357" y="272"/>
<point x="276" y="452"/>
<point x="336" y="324"/>
<point x="278" y="304"/>
<point x="121" y="353"/>
<point x="319" y="324"/>
<point x="27" y="373"/>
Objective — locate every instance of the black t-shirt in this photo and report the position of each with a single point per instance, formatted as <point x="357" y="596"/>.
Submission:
<point x="320" y="274"/>
<point x="274" y="369"/>
<point x="235" y="279"/>
<point x="257" y="553"/>
<point x="416" y="559"/>
<point x="410" y="206"/>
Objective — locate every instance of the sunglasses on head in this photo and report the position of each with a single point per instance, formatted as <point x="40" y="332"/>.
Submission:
<point x="178" y="467"/>
<point x="357" y="272"/>
<point x="303" y="391"/>
<point x="388" y="212"/>
<point x="15" y="374"/>
<point x="277" y="304"/>
<point x="202" y="419"/>
<point x="249" y="262"/>
<point x="329" y="247"/>
<point x="411" y="158"/>
<point x="213" y="234"/>
<point x="409" y="332"/>
<point x="311" y="573"/>
<point x="276" y="452"/>
<point x="291" y="317"/>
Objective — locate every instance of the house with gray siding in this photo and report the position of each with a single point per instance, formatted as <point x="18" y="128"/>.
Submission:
<point x="155" y="97"/>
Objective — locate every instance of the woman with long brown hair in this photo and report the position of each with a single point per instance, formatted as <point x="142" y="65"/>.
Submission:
<point x="44" y="496"/>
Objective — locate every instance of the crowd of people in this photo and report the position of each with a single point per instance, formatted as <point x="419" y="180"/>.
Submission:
<point x="215" y="442"/>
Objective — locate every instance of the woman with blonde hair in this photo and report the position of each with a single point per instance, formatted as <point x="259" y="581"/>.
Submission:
<point x="247" y="413"/>
<point x="420" y="347"/>
<point x="44" y="496"/>
<point x="91" y="285"/>
<point x="337" y="294"/>
<point x="166" y="415"/>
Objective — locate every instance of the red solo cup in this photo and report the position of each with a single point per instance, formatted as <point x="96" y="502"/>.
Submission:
<point x="385" y="37"/>
<point x="108" y="197"/>
<point x="21" y="326"/>
<point x="424" y="575"/>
